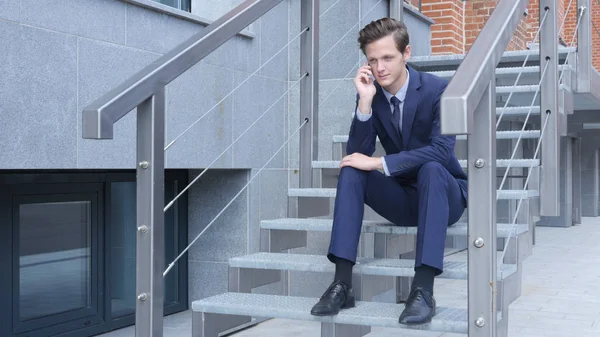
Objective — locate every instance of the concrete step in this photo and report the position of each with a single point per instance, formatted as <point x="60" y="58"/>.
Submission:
<point x="517" y="88"/>
<point x="331" y="192"/>
<point x="507" y="57"/>
<point x="513" y="134"/>
<point x="507" y="89"/>
<point x="528" y="70"/>
<point x="527" y="134"/>
<point x="382" y="227"/>
<point x="298" y="308"/>
<point x="501" y="163"/>
<point x="517" y="111"/>
<point x="364" y="266"/>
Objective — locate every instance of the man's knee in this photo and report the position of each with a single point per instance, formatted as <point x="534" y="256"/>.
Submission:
<point x="349" y="172"/>
<point x="431" y="169"/>
<point x="433" y="173"/>
<point x="350" y="176"/>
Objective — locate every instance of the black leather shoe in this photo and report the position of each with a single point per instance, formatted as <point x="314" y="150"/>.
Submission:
<point x="420" y="307"/>
<point x="337" y="296"/>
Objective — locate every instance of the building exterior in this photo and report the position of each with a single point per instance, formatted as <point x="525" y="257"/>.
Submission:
<point x="68" y="204"/>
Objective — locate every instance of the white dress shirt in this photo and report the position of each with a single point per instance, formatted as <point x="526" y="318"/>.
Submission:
<point x="401" y="95"/>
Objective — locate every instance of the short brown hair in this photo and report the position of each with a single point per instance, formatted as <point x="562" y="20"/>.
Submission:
<point x="382" y="28"/>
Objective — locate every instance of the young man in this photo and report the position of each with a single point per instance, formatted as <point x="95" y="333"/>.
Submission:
<point x="423" y="184"/>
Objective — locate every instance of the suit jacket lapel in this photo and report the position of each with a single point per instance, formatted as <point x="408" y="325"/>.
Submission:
<point x="411" y="101"/>
<point x="385" y="115"/>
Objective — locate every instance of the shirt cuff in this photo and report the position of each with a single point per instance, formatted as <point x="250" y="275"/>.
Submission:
<point x="362" y="117"/>
<point x="385" y="168"/>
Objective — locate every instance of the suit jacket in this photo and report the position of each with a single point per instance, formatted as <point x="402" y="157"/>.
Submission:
<point x="419" y="142"/>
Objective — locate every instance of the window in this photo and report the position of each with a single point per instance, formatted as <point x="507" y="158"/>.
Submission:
<point x="184" y="5"/>
<point x="68" y="245"/>
<point x="416" y="4"/>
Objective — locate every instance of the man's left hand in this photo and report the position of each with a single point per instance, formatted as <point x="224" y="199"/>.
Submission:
<point x="362" y="162"/>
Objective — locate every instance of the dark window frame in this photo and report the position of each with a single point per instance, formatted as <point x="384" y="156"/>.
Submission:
<point x="184" y="5"/>
<point x="80" y="318"/>
<point x="59" y="182"/>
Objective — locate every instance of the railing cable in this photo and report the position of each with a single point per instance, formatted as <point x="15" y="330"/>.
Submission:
<point x="349" y="31"/>
<point x="514" y="221"/>
<point x="572" y="42"/>
<point x="328" y="9"/>
<point x="234" y="89"/>
<point x="565" y="17"/>
<point x="538" y="146"/>
<point x="233" y="199"/>
<point x="512" y="157"/>
<point x="522" y="68"/>
<point x="341" y="81"/>
<point x="231" y="145"/>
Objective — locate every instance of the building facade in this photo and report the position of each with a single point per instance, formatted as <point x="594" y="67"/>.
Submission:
<point x="68" y="204"/>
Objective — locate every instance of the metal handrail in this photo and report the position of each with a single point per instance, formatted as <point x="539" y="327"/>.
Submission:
<point x="146" y="91"/>
<point x="100" y="116"/>
<point x="468" y="106"/>
<point x="461" y="97"/>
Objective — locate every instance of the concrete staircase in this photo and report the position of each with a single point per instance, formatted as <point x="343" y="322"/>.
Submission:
<point x="381" y="241"/>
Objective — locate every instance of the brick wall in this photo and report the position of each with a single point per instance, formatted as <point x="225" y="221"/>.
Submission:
<point x="447" y="34"/>
<point x="595" y="10"/>
<point x="458" y="23"/>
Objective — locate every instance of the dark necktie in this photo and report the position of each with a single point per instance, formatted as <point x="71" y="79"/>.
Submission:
<point x="396" y="114"/>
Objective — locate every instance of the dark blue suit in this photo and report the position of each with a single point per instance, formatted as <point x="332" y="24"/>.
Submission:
<point x="427" y="187"/>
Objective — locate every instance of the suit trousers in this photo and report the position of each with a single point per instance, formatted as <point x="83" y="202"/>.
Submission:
<point x="432" y="204"/>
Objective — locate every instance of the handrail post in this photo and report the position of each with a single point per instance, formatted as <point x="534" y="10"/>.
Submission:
<point x="584" y="47"/>
<point x="549" y="174"/>
<point x="397" y="9"/>
<point x="468" y="106"/>
<point x="482" y="261"/>
<point x="150" y="216"/>
<point x="309" y="90"/>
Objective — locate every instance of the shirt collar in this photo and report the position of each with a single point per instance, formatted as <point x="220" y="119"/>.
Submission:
<point x="401" y="94"/>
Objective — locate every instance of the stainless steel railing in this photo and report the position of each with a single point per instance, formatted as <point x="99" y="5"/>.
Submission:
<point x="146" y="92"/>
<point x="468" y="106"/>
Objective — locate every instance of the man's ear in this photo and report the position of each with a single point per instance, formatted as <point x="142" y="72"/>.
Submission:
<point x="406" y="54"/>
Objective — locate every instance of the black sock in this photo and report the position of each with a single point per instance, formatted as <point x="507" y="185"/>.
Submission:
<point x="424" y="276"/>
<point x="343" y="271"/>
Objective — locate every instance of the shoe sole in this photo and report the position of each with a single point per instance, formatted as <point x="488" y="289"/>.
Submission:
<point x="349" y="304"/>
<point x="420" y="323"/>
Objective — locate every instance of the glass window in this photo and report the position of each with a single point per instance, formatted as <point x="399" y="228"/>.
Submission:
<point x="68" y="249"/>
<point x="54" y="261"/>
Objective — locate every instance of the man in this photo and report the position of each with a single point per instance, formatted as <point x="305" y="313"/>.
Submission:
<point x="423" y="183"/>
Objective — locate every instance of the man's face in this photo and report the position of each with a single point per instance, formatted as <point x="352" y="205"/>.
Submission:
<point x="387" y="63"/>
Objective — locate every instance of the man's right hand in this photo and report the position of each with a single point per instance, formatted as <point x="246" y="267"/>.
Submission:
<point x="366" y="88"/>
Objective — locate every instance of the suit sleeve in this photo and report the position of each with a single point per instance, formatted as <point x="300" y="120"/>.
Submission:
<point x="362" y="135"/>
<point x="440" y="148"/>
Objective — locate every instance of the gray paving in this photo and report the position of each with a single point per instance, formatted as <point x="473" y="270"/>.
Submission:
<point x="559" y="299"/>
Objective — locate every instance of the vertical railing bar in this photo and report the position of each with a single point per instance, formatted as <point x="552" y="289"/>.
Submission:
<point x="150" y="216"/>
<point x="481" y="222"/>
<point x="584" y="48"/>
<point x="549" y="174"/>
<point x="309" y="89"/>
